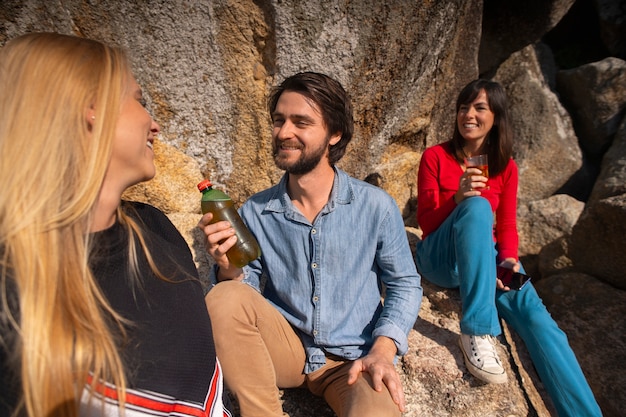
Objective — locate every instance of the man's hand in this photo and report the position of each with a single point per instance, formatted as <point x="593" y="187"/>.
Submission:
<point x="378" y="363"/>
<point x="220" y="237"/>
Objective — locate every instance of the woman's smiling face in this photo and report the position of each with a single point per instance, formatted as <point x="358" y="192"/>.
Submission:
<point x="475" y="120"/>
<point x="132" y="158"/>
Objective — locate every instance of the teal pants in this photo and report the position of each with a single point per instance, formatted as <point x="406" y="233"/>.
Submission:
<point x="461" y="254"/>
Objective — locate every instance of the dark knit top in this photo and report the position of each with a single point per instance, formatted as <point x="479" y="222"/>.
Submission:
<point x="169" y="354"/>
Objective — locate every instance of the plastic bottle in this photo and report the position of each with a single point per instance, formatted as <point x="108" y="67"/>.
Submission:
<point x="221" y="206"/>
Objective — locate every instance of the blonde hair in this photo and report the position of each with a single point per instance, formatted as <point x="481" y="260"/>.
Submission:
<point x="52" y="164"/>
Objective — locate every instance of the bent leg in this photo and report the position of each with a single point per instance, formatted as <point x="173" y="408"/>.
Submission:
<point x="257" y="348"/>
<point x="461" y="253"/>
<point x="356" y="400"/>
<point x="550" y="351"/>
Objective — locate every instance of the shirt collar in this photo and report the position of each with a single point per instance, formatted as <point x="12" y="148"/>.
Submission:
<point x="341" y="193"/>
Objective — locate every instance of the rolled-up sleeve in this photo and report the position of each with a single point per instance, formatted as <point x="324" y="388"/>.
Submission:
<point x="403" y="291"/>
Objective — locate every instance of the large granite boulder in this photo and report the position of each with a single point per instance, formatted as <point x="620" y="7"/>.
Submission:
<point x="593" y="315"/>
<point x="206" y="68"/>
<point x="512" y="25"/>
<point x="612" y="178"/>
<point x="541" y="222"/>
<point x="544" y="135"/>
<point x="595" y="95"/>
<point x="598" y="239"/>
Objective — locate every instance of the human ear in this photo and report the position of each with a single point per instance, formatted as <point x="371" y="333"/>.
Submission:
<point x="90" y="117"/>
<point x="335" y="138"/>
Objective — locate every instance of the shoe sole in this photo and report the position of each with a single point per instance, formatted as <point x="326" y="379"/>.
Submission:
<point x="479" y="373"/>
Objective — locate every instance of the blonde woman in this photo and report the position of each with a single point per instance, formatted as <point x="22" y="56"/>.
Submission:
<point x="101" y="310"/>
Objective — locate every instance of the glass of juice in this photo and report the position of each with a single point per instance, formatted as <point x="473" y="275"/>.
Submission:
<point x="480" y="162"/>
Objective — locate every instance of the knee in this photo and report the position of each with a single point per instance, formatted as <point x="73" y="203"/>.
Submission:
<point x="475" y="206"/>
<point x="530" y="316"/>
<point x="227" y="298"/>
<point x="366" y="402"/>
<point x="476" y="209"/>
<point x="540" y="320"/>
<point x="542" y="330"/>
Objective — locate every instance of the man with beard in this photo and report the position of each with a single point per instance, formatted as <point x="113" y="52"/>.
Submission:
<point x="308" y="312"/>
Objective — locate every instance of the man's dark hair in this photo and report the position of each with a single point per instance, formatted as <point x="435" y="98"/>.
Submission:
<point x="332" y="100"/>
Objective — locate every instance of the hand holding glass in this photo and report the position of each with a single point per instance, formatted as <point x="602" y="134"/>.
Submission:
<point x="480" y="162"/>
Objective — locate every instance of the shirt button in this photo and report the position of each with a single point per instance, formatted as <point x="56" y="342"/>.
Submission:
<point x="316" y="299"/>
<point x="314" y="265"/>
<point x="314" y="332"/>
<point x="313" y="231"/>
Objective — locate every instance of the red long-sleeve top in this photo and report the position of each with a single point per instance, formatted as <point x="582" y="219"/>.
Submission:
<point x="437" y="182"/>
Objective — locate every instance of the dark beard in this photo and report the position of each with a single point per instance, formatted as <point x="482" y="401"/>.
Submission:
<point x="305" y="164"/>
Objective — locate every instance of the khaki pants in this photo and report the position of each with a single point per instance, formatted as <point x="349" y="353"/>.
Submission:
<point x="260" y="353"/>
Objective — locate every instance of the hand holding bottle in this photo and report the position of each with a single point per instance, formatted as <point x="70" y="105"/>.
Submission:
<point x="231" y="244"/>
<point x="220" y="238"/>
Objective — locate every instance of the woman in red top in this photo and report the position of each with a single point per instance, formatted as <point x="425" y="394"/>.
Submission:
<point x="469" y="225"/>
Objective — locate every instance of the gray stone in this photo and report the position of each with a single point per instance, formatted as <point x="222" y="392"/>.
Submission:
<point x="554" y="258"/>
<point x="544" y="137"/>
<point x="593" y="315"/>
<point x="206" y="68"/>
<point x="512" y="25"/>
<point x="541" y="222"/>
<point x="595" y="95"/>
<point x="598" y="240"/>
<point x="612" y="178"/>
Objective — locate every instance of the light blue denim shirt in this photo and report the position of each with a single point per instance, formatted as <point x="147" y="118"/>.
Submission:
<point x="326" y="277"/>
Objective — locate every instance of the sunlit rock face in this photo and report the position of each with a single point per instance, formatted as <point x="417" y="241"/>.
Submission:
<point x="207" y="66"/>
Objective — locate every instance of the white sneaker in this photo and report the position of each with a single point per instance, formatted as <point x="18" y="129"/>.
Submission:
<point x="482" y="359"/>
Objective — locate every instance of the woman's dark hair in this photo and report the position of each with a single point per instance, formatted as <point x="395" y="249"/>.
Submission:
<point x="330" y="97"/>
<point x="500" y="138"/>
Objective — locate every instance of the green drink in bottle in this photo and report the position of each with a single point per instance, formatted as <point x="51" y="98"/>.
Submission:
<point x="222" y="207"/>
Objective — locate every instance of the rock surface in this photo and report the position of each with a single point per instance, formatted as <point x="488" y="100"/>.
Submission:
<point x="206" y="68"/>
